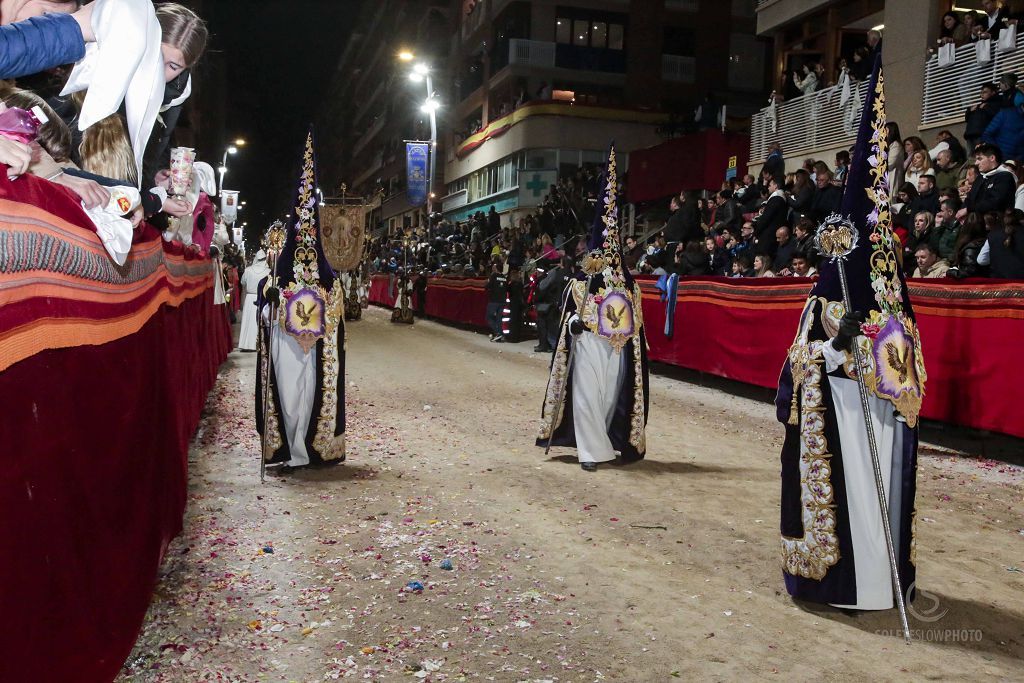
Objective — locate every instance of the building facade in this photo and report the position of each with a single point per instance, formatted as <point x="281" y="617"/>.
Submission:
<point x="529" y="90"/>
<point x="537" y="89"/>
<point x="371" y="106"/>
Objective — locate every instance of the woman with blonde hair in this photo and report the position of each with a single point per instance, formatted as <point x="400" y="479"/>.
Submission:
<point x="763" y="266"/>
<point x="920" y="163"/>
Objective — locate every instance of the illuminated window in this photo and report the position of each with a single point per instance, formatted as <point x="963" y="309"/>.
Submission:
<point x="599" y="34"/>
<point x="563" y="31"/>
<point x="580" y="31"/>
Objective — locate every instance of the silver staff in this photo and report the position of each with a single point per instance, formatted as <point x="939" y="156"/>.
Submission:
<point x="837" y="239"/>
<point x="568" y="363"/>
<point x="275" y="242"/>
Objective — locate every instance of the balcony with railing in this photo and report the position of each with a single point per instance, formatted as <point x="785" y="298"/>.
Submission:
<point x="678" y="69"/>
<point x="819" y="121"/>
<point x="949" y="90"/>
<point x="546" y="54"/>
<point x="535" y="53"/>
<point x="370" y="134"/>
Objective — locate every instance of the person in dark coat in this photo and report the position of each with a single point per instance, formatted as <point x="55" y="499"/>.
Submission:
<point x="774" y="164"/>
<point x="1006" y="131"/>
<point x="826" y="199"/>
<point x="691" y="260"/>
<point x="773" y="214"/>
<point x="1004" y="248"/>
<point x="802" y="194"/>
<point x="493" y="222"/>
<point x="927" y="196"/>
<point x="977" y="117"/>
<point x="728" y="211"/>
<point x="995" y="188"/>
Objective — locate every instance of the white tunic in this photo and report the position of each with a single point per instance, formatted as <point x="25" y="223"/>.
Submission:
<point x="598" y="373"/>
<point x="251" y="279"/>
<point x="296" y="380"/>
<point x="870" y="555"/>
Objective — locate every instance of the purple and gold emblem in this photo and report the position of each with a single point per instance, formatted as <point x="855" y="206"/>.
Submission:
<point x="304" y="317"/>
<point x="615" y="318"/>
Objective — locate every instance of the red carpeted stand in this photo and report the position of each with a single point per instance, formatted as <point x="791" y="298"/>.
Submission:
<point x="103" y="374"/>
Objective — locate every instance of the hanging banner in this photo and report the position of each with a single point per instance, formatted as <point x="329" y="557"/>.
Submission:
<point x="416" y="172"/>
<point x="229" y="205"/>
<point x="342" y="232"/>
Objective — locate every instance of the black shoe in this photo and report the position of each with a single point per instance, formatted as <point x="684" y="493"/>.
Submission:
<point x="500" y="340"/>
<point x="588" y="466"/>
<point x="542" y="349"/>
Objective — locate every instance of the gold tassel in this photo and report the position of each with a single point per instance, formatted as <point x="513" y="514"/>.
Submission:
<point x="793" y="417"/>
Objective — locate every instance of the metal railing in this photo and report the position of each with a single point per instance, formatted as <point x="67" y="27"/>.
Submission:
<point x="949" y="90"/>
<point x="369" y="134"/>
<point x="678" y="69"/>
<point x="809" y="123"/>
<point x="531" y="52"/>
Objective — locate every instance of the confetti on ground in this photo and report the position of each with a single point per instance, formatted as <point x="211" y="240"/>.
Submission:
<point x="524" y="572"/>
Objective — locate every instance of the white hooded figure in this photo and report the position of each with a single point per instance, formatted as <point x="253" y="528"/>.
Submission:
<point x="251" y="279"/>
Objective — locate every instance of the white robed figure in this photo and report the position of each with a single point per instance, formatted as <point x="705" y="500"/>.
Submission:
<point x="254" y="274"/>
<point x="597" y="393"/>
<point x="305" y="366"/>
<point x="833" y="529"/>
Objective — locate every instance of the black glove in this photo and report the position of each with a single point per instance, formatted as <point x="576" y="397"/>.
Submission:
<point x="576" y="327"/>
<point x="274" y="295"/>
<point x="849" y="328"/>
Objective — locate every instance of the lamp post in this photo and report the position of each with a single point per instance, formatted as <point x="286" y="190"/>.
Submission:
<point x="224" y="165"/>
<point x="231" y="149"/>
<point x="420" y="73"/>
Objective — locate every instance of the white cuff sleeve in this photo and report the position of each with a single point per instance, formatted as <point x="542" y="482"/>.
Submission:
<point x="833" y="357"/>
<point x="985" y="255"/>
<point x="161" y="193"/>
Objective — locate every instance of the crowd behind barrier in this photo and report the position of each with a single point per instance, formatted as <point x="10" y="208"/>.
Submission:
<point x="113" y="323"/>
<point x="741" y="329"/>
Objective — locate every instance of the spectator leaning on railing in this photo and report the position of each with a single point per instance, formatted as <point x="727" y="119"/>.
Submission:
<point x="31" y="43"/>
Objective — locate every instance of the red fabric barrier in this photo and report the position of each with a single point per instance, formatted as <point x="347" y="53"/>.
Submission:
<point x="380" y="291"/>
<point x="460" y="300"/>
<point x="104" y="374"/>
<point x="742" y="329"/>
<point x="457" y="300"/>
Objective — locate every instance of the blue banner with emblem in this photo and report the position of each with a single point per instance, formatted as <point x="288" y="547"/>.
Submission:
<point x="416" y="172"/>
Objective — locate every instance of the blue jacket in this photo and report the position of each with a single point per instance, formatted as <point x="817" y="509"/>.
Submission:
<point x="1006" y="131"/>
<point x="40" y="43"/>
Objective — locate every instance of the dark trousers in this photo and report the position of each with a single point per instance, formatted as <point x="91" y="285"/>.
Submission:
<point x="547" y="329"/>
<point x="494" y="317"/>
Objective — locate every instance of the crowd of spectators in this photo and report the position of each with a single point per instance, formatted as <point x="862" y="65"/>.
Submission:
<point x="43" y="46"/>
<point x="962" y="27"/>
<point x="956" y="215"/>
<point x="470" y="247"/>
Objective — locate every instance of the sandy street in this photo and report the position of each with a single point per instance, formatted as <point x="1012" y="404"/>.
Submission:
<point x="666" y="569"/>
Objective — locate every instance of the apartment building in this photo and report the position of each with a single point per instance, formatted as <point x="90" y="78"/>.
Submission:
<point x="540" y="88"/>
<point x="371" y="106"/>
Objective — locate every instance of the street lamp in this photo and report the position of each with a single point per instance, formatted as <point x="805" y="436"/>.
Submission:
<point x="421" y="72"/>
<point x="232" y="149"/>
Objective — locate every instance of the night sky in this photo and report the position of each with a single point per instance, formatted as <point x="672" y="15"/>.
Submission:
<point x="279" y="57"/>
